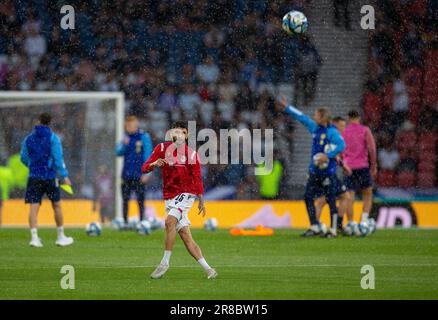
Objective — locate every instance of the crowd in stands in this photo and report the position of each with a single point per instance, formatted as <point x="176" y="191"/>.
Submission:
<point x="206" y="60"/>
<point x="400" y="98"/>
<point x="184" y="59"/>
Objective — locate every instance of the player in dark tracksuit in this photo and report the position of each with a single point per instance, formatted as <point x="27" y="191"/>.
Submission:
<point x="326" y="145"/>
<point x="136" y="149"/>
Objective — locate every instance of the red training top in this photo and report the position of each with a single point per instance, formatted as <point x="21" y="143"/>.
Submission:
<point x="181" y="174"/>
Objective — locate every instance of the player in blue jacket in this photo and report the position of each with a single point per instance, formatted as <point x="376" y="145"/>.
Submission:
<point x="326" y="145"/>
<point x="41" y="152"/>
<point x="136" y="149"/>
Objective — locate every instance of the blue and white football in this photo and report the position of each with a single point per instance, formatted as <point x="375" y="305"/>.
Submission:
<point x="294" y="22"/>
<point x="364" y="229"/>
<point x="93" y="229"/>
<point x="118" y="223"/>
<point x="211" y="224"/>
<point x="144" y="227"/>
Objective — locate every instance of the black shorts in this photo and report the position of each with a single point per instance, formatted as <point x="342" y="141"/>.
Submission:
<point x="322" y="185"/>
<point x="340" y="189"/>
<point x="36" y="188"/>
<point x="360" y="179"/>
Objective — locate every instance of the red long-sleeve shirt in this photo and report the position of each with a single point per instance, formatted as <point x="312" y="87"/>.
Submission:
<point x="181" y="174"/>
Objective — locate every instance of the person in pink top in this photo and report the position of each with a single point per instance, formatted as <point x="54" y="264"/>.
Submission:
<point x="360" y="155"/>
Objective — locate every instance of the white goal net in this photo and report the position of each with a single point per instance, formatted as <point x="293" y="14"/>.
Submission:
<point x="88" y="123"/>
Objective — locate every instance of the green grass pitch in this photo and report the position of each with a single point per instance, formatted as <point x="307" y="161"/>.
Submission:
<point x="117" y="265"/>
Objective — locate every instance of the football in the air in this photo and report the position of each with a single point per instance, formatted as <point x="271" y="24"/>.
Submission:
<point x="295" y="22"/>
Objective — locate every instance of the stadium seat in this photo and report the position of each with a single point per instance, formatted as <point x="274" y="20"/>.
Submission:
<point x="413" y="78"/>
<point x="386" y="178"/>
<point x="430" y="91"/>
<point x="414" y="112"/>
<point x="426" y="180"/>
<point x="406" y="143"/>
<point x="427" y="143"/>
<point x="426" y="166"/>
<point x="388" y="96"/>
<point x="406" y="179"/>
<point x="372" y="108"/>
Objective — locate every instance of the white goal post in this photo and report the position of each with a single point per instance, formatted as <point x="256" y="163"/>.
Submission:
<point x="10" y="99"/>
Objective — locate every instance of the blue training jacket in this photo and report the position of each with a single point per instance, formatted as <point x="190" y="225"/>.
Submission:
<point x="325" y="139"/>
<point x="41" y="152"/>
<point x="135" y="153"/>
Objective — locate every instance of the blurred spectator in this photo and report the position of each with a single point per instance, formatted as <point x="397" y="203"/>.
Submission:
<point x="213" y="41"/>
<point x="168" y="101"/>
<point x="412" y="47"/>
<point x="208" y="71"/>
<point x="35" y="45"/>
<point x="400" y="102"/>
<point x="389" y="157"/>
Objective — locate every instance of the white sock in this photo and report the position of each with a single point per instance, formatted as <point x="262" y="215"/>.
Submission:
<point x="166" y="258"/>
<point x="334" y="222"/>
<point x="204" y="264"/>
<point x="60" y="232"/>
<point x="364" y="216"/>
<point x="34" y="233"/>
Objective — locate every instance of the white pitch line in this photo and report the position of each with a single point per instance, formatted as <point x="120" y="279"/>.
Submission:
<point x="240" y="266"/>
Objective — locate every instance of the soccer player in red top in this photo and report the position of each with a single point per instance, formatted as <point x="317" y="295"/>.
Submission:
<point x="182" y="183"/>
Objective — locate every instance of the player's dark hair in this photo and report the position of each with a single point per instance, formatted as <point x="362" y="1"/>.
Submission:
<point x="353" y="114"/>
<point x="179" y="124"/>
<point x="45" y="119"/>
<point x="338" y="118"/>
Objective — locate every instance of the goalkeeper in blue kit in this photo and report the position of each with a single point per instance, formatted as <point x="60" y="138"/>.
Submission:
<point x="326" y="145"/>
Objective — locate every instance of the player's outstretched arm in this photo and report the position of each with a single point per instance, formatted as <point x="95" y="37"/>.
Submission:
<point x="298" y="115"/>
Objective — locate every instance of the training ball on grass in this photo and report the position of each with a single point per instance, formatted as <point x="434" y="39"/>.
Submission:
<point x="372" y="225"/>
<point x="351" y="229"/>
<point x="211" y="224"/>
<point x="133" y="222"/>
<point x="294" y="22"/>
<point x="93" y="229"/>
<point x="144" y="227"/>
<point x="364" y="229"/>
<point x="156" y="223"/>
<point x="118" y="223"/>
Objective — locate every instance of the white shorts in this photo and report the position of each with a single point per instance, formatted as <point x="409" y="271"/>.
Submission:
<point x="179" y="208"/>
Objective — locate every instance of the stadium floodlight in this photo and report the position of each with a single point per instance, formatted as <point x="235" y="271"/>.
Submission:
<point x="99" y="115"/>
